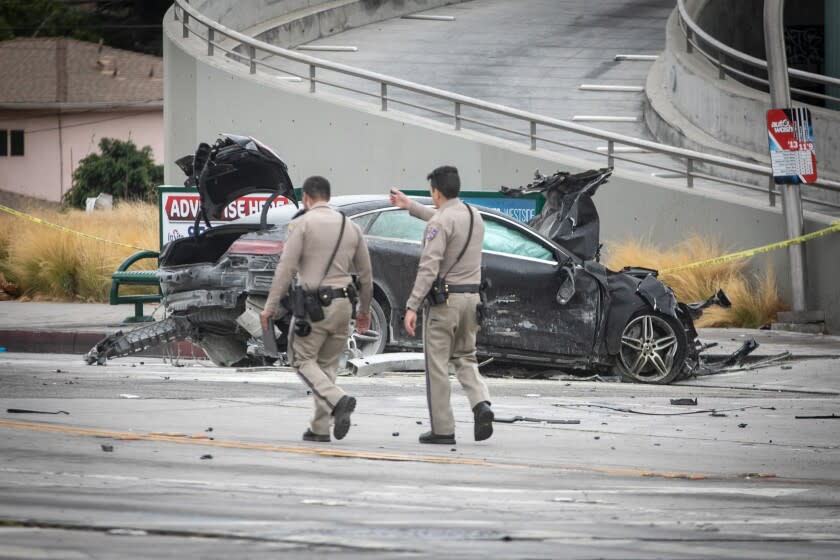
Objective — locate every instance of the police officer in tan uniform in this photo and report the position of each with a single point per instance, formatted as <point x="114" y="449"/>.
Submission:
<point x="324" y="267"/>
<point x="449" y="329"/>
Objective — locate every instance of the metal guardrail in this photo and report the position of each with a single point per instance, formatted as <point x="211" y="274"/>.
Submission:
<point x="720" y="54"/>
<point x="246" y="49"/>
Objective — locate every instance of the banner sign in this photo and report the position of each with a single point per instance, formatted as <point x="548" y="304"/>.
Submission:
<point x="791" y="139"/>
<point x="523" y="209"/>
<point x="179" y="207"/>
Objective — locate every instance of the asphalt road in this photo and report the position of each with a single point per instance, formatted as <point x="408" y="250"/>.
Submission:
<point x="750" y="482"/>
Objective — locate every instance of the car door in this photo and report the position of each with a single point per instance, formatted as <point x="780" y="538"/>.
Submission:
<point x="523" y="312"/>
<point x="394" y="242"/>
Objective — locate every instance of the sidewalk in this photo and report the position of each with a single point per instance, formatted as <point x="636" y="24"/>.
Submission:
<point x="64" y="328"/>
<point x="73" y="328"/>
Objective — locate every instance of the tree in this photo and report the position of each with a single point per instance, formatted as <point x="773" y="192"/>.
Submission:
<point x="120" y="170"/>
<point x="124" y="24"/>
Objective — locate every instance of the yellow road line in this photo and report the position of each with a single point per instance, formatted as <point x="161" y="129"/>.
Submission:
<point x="201" y="439"/>
<point x="37" y="220"/>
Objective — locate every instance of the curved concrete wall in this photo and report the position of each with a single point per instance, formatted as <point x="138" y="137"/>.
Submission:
<point x="287" y="23"/>
<point x="364" y="150"/>
<point x="689" y="105"/>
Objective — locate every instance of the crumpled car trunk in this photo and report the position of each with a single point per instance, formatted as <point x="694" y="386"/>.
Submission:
<point x="569" y="216"/>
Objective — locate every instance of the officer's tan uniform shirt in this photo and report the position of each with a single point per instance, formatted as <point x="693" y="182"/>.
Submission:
<point x="309" y="246"/>
<point x="444" y="238"/>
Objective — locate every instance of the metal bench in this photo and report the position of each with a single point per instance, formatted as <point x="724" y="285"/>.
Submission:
<point x="136" y="278"/>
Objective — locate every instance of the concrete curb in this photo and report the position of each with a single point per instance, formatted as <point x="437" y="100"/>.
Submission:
<point x="68" y="342"/>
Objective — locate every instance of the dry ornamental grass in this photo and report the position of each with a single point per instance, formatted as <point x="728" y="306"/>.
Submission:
<point x="755" y="297"/>
<point x="47" y="264"/>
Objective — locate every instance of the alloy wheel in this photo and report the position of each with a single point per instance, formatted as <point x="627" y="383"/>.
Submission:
<point x="650" y="347"/>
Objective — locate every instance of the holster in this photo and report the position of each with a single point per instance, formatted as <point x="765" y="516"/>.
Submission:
<point x="481" y="308"/>
<point x="298" y="297"/>
<point x="312" y="304"/>
<point x="353" y="296"/>
<point x="438" y="293"/>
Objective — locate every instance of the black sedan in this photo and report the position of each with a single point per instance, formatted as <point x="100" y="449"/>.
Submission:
<point x="545" y="305"/>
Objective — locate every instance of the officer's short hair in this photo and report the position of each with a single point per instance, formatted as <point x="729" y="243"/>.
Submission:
<point x="317" y="187"/>
<point x="445" y="179"/>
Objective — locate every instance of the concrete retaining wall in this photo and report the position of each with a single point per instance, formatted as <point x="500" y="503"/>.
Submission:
<point x="364" y="150"/>
<point x="689" y="106"/>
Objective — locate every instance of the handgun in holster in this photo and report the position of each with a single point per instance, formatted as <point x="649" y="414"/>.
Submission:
<point x="353" y="296"/>
<point x="297" y="298"/>
<point x="481" y="308"/>
<point x="312" y="304"/>
<point x="438" y="293"/>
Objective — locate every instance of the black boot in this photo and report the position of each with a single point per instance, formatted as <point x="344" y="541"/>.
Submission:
<point x="483" y="421"/>
<point x="309" y="435"/>
<point x="341" y="414"/>
<point x="431" y="437"/>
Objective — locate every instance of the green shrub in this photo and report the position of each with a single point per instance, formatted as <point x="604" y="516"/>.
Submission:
<point x="120" y="170"/>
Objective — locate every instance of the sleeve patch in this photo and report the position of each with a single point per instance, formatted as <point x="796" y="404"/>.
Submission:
<point x="431" y="233"/>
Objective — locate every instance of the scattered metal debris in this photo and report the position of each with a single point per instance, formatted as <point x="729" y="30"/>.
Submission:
<point x="107" y="447"/>
<point x="25" y="411"/>
<point x="742" y="425"/>
<point x="511" y="420"/>
<point x="207" y="456"/>
<point x="380" y="363"/>
<point x="684" y="402"/>
<point x="395" y="434"/>
<point x="632" y="411"/>
<point x="737" y="357"/>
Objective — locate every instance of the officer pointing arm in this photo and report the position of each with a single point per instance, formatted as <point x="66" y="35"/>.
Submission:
<point x="435" y="239"/>
<point x="451" y="264"/>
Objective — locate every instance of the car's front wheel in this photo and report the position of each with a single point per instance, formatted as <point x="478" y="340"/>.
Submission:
<point x="373" y="342"/>
<point x="653" y="348"/>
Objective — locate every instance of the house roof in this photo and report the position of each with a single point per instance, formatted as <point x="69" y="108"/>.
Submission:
<point x="59" y="71"/>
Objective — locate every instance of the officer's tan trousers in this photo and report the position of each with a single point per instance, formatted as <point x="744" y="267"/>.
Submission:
<point x="316" y="359"/>
<point x="449" y="332"/>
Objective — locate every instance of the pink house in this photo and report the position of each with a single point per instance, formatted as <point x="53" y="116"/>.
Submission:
<point x="59" y="97"/>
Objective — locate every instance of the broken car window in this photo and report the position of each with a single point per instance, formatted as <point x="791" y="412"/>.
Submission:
<point x="502" y="239"/>
<point x="364" y="221"/>
<point x="398" y="224"/>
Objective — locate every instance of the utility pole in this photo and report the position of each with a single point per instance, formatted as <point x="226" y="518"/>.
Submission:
<point x="777" y="75"/>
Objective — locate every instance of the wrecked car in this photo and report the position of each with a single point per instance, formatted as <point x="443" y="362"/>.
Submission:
<point x="546" y="304"/>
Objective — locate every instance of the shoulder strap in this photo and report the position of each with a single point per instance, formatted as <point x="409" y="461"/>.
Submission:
<point x="467" y="244"/>
<point x="335" y="250"/>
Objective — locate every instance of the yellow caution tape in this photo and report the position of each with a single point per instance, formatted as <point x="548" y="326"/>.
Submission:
<point x="834" y="227"/>
<point x="37" y="220"/>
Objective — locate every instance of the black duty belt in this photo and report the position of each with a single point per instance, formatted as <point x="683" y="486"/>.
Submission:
<point x="463" y="289"/>
<point x="338" y="292"/>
